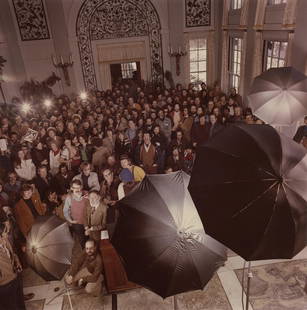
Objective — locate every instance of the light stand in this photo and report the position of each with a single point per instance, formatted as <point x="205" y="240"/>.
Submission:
<point x="64" y="291"/>
<point x="249" y="278"/>
<point x="175" y="303"/>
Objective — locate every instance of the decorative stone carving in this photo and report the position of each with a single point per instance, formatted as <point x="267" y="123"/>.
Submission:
<point x="118" y="21"/>
<point x="111" y="19"/>
<point x="31" y="19"/>
<point x="197" y="13"/>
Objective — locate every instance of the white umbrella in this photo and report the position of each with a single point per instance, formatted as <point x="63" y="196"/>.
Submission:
<point x="49" y="247"/>
<point x="279" y="96"/>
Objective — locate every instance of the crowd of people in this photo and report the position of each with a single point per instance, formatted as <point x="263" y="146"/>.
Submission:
<point x="76" y="157"/>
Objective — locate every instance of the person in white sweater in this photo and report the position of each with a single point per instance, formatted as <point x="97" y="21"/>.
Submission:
<point x="24" y="168"/>
<point x="54" y="158"/>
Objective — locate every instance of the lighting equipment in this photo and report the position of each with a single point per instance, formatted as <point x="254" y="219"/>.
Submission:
<point x="26" y="107"/>
<point x="83" y="95"/>
<point x="47" y="103"/>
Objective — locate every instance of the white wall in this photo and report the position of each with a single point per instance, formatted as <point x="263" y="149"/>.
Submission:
<point x="14" y="70"/>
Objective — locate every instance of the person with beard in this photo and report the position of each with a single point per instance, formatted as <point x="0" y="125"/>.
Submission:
<point x="62" y="180"/>
<point x="42" y="182"/>
<point x="160" y="143"/>
<point x="148" y="126"/>
<point x="95" y="216"/>
<point x="186" y="124"/>
<point x="179" y="142"/>
<point x="200" y="132"/>
<point x="39" y="154"/>
<point x="86" y="270"/>
<point x="148" y="155"/>
<point x="74" y="210"/>
<point x="176" y="160"/>
<point x="214" y="126"/>
<point x="165" y="125"/>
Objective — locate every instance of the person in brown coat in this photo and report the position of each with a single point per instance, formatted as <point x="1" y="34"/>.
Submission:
<point x="86" y="270"/>
<point x="148" y="155"/>
<point x="28" y="208"/>
<point x="100" y="155"/>
<point x="95" y="216"/>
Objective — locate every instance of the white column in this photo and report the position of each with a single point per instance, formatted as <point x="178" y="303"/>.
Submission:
<point x="225" y="52"/>
<point x="289" y="17"/>
<point x="242" y="66"/>
<point x="257" y="67"/>
<point x="289" y="48"/>
<point x="260" y="13"/>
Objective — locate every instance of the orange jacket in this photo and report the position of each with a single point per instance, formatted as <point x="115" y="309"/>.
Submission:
<point x="23" y="214"/>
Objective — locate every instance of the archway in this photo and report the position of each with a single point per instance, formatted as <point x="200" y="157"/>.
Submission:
<point x="112" y="19"/>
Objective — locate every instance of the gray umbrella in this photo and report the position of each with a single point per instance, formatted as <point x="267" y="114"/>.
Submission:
<point x="49" y="247"/>
<point x="161" y="238"/>
<point x="279" y="96"/>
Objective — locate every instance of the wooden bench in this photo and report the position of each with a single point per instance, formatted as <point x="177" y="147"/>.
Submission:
<point x="114" y="272"/>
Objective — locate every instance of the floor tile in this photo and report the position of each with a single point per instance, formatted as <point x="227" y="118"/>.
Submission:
<point x="213" y="297"/>
<point x="31" y="278"/>
<point x="35" y="305"/>
<point x="279" y="286"/>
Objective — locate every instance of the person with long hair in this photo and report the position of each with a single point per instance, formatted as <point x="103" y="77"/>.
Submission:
<point x="24" y="168"/>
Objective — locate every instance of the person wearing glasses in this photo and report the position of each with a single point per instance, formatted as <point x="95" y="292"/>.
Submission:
<point x="75" y="209"/>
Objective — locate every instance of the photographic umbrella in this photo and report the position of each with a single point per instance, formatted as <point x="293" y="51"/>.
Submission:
<point x="49" y="247"/>
<point x="161" y="238"/>
<point x="279" y="96"/>
<point x="249" y="187"/>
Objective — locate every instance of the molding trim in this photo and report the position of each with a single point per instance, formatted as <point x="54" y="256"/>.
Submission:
<point x="115" y="19"/>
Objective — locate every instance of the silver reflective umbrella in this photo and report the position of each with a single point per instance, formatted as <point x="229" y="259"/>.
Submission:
<point x="161" y="238"/>
<point x="279" y="96"/>
<point x="49" y="247"/>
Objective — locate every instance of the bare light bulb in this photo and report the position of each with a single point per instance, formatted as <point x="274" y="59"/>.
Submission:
<point x="26" y="107"/>
<point x="47" y="103"/>
<point x="83" y="95"/>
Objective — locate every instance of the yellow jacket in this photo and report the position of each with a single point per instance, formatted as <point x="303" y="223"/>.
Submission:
<point x="138" y="173"/>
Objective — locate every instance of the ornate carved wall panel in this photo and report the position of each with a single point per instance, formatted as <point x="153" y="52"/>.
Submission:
<point x="111" y="19"/>
<point x="31" y="19"/>
<point x="197" y="13"/>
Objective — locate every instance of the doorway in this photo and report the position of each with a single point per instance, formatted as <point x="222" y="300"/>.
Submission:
<point x="124" y="72"/>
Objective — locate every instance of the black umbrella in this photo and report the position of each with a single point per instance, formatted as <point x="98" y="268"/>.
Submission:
<point x="161" y="238"/>
<point x="249" y="185"/>
<point x="49" y="247"/>
<point x="279" y="96"/>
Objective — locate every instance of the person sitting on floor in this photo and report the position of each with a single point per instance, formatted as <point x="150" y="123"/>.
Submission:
<point x="86" y="270"/>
